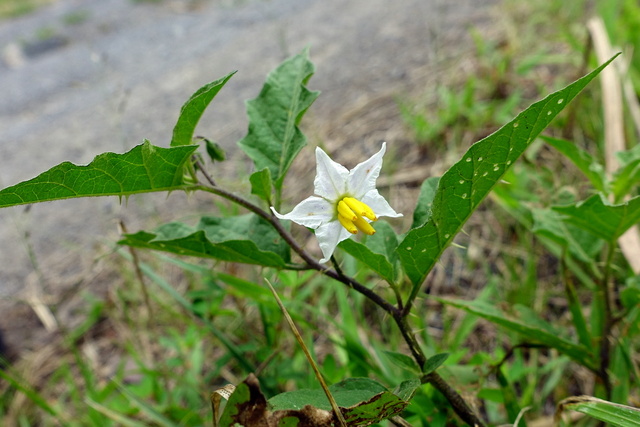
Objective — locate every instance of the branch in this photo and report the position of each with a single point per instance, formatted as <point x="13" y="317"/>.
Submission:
<point x="308" y="258"/>
<point x="457" y="402"/>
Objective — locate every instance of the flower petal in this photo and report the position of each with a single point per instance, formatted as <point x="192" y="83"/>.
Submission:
<point x="329" y="235"/>
<point x="331" y="177"/>
<point x="312" y="212"/>
<point x="379" y="205"/>
<point x="363" y="177"/>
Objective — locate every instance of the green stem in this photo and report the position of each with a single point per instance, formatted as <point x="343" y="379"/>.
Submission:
<point x="606" y="296"/>
<point x="459" y="405"/>
<point x="457" y="402"/>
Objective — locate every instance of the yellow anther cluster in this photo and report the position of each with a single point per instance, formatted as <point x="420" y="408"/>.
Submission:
<point x="351" y="214"/>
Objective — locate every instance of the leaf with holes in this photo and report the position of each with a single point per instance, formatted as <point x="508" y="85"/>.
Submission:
<point x="145" y="168"/>
<point x="364" y="401"/>
<point x="467" y="183"/>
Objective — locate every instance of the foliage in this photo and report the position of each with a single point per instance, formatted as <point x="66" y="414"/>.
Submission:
<point x="382" y="332"/>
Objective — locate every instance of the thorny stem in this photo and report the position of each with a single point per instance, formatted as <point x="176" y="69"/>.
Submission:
<point x="457" y="402"/>
<point x="399" y="314"/>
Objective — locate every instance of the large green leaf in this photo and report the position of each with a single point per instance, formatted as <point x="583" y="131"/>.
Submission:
<point x="526" y="323"/>
<point x="365" y="401"/>
<point x="144" y="169"/>
<point x="246" y="239"/>
<point x="192" y="111"/>
<point x="609" y="412"/>
<point x="274" y="139"/>
<point x="601" y="218"/>
<point x="467" y="183"/>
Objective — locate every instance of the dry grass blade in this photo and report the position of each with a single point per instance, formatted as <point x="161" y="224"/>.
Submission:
<point x="296" y="333"/>
<point x="614" y="128"/>
<point x="216" y="397"/>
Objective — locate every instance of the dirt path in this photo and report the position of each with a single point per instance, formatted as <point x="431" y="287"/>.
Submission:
<point x="82" y="77"/>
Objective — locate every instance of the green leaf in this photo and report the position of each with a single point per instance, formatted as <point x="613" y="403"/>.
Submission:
<point x="625" y="179"/>
<point x="366" y="401"/>
<point x="425" y="200"/>
<point x="406" y="389"/>
<point x="613" y="413"/>
<point x="434" y="362"/>
<point x="577" y="315"/>
<point x="347" y="393"/>
<point x="144" y="169"/>
<point x="246" y="239"/>
<point x="467" y="183"/>
<point x="261" y="184"/>
<point x="582" y="159"/>
<point x="526" y="323"/>
<point x="274" y="139"/>
<point x="403" y="361"/>
<point x="580" y="243"/>
<point x="243" y="395"/>
<point x="378" y="251"/>
<point x="33" y="395"/>
<point x="192" y="111"/>
<point x="601" y="218"/>
<point x="215" y="152"/>
<point x="628" y="156"/>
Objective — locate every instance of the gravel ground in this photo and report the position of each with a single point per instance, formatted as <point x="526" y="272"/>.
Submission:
<point x="82" y="77"/>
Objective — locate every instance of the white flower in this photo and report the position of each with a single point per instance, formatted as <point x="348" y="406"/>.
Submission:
<point x="344" y="202"/>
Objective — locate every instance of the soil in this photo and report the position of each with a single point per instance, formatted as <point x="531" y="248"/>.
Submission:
<point x="82" y="77"/>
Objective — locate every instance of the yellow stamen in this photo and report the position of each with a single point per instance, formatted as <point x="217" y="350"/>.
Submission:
<point x="364" y="226"/>
<point x="346" y="212"/>
<point x="360" y="208"/>
<point x="348" y="224"/>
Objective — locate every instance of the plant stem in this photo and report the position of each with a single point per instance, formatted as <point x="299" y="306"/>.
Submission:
<point x="399" y="314"/>
<point x="606" y="291"/>
<point x="310" y="260"/>
<point x="457" y="402"/>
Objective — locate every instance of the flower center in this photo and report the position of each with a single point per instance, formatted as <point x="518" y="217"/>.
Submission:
<point x="352" y="214"/>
